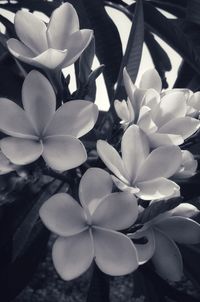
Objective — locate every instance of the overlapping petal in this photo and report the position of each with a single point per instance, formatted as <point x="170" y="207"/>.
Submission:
<point x="135" y="149"/>
<point x="157" y="188"/>
<point x="21" y="151"/>
<point x="184" y="126"/>
<point x="63" y="152"/>
<point x="145" y="250"/>
<point x="73" y="255"/>
<point x="161" y="162"/>
<point x="151" y="79"/>
<point x="188" y="166"/>
<point x="95" y="184"/>
<point x="167" y="258"/>
<point x="5" y="165"/>
<point x="162" y="139"/>
<point x="50" y="58"/>
<point x="181" y="229"/>
<point x="39" y="100"/>
<point x="17" y="48"/>
<point x="63" y="215"/>
<point x="185" y="210"/>
<point x="26" y="25"/>
<point x="74" y="118"/>
<point x="172" y="106"/>
<point x="14" y="121"/>
<point x="116" y="211"/>
<point x="115" y="254"/>
<point x="76" y="44"/>
<point x="111" y="158"/>
<point x="63" y="22"/>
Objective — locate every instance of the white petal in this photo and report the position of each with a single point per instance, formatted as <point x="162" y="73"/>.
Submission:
<point x="129" y="86"/>
<point x="76" y="44"/>
<point x="17" y="49"/>
<point x="115" y="253"/>
<point x="167" y="258"/>
<point x="73" y="255"/>
<point x="151" y="79"/>
<point x="156" y="188"/>
<point x="151" y="99"/>
<point x="111" y="159"/>
<point x="62" y="215"/>
<point x="145" y="251"/>
<point x="63" y="22"/>
<point x="145" y="121"/>
<point x="124" y="186"/>
<point x="181" y="229"/>
<point x="184" y="126"/>
<point x="5" y="165"/>
<point x="95" y="184"/>
<point x="188" y="167"/>
<point x="63" y="153"/>
<point x="122" y="110"/>
<point x="194" y="101"/>
<point x="13" y="120"/>
<point x="116" y="211"/>
<point x="21" y="151"/>
<point x="135" y="149"/>
<point x="135" y="95"/>
<point x="185" y="210"/>
<point x="172" y="105"/>
<point x="26" y="26"/>
<point x="161" y="162"/>
<point x="39" y="100"/>
<point x="162" y="139"/>
<point x="74" y="118"/>
<point x="51" y="59"/>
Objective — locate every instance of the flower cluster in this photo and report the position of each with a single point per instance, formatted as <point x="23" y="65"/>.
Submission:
<point x="145" y="167"/>
<point x="164" y="117"/>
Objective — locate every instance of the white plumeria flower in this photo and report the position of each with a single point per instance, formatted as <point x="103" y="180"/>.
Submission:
<point x="162" y="232"/>
<point x="138" y="171"/>
<point x="188" y="166"/>
<point x="163" y="117"/>
<point x="55" y="46"/>
<point x="41" y="130"/>
<point x="5" y="165"/>
<point x="192" y="101"/>
<point x="88" y="231"/>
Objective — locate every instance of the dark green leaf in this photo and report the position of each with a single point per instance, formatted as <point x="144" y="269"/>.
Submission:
<point x="16" y="276"/>
<point x="133" y="51"/>
<point x="23" y="232"/>
<point x="164" y="289"/>
<point x="192" y="11"/>
<point x="85" y="62"/>
<point x="172" y="34"/>
<point x="158" y="208"/>
<point x="107" y="39"/>
<point x="159" y="56"/>
<point x="10" y="30"/>
<point x="99" y="287"/>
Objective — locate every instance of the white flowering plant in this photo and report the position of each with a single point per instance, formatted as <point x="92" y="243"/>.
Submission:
<point x="117" y="190"/>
